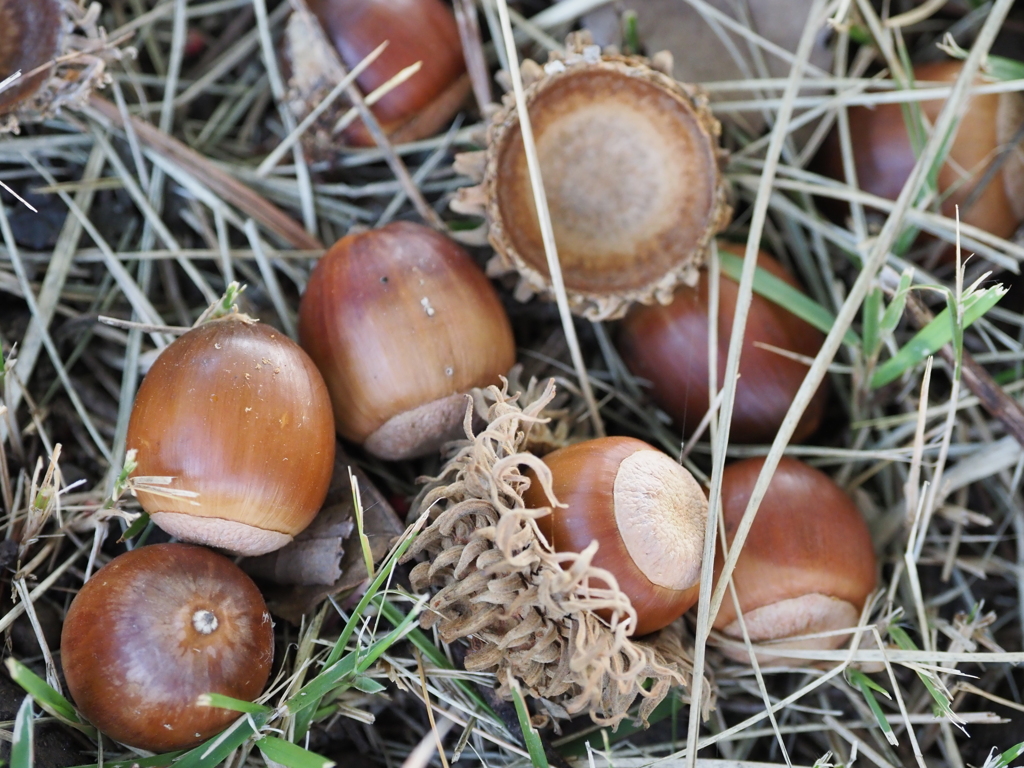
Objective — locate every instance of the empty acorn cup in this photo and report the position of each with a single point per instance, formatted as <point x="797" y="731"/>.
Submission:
<point x="630" y="163"/>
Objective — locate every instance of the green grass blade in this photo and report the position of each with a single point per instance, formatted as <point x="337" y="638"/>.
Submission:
<point x="426" y="646"/>
<point x="934" y="336"/>
<point x="894" y="311"/>
<point x="533" y="743"/>
<point x="367" y="685"/>
<point x="135" y="528"/>
<point x="291" y="755"/>
<point x="215" y="751"/>
<point x="1002" y="68"/>
<point x="1008" y="756"/>
<point x="343" y="672"/>
<point x="867" y="686"/>
<point x="226" y="702"/>
<point x="387" y="567"/>
<point x="22" y="746"/>
<point x="871" y="314"/>
<point x="942" y="703"/>
<point x="786" y="296"/>
<point x="304" y="719"/>
<point x="45" y="696"/>
<point x="371" y="592"/>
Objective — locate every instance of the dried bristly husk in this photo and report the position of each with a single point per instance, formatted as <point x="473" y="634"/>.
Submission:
<point x="482" y="167"/>
<point x="528" y="612"/>
<point x="81" y="60"/>
<point x="555" y="428"/>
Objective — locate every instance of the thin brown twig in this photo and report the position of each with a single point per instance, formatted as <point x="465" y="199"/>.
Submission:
<point x="993" y="397"/>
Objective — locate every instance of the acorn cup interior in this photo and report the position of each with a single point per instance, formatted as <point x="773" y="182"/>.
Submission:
<point x="629" y="159"/>
<point x="29" y="38"/>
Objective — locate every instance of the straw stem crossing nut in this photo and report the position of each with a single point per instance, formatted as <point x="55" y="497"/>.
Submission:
<point x="668" y="346"/>
<point x="402" y="324"/>
<point x="155" y="629"/>
<point x="420" y="33"/>
<point x="645" y="511"/>
<point x="988" y="132"/>
<point x="235" y="412"/>
<point x="630" y="163"/>
<point x="807" y="566"/>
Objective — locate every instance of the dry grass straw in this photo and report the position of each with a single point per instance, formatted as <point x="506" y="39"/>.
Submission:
<point x="160" y="201"/>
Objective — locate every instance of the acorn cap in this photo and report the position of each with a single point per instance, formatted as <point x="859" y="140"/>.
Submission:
<point x="630" y="161"/>
<point x="30" y="32"/>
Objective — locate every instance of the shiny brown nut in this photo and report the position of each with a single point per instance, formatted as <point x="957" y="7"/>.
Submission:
<point x="668" y="346"/>
<point x="808" y="564"/>
<point x="154" y="630"/>
<point x="645" y="511"/>
<point x="237" y="413"/>
<point x="421" y="31"/>
<point x="402" y="323"/>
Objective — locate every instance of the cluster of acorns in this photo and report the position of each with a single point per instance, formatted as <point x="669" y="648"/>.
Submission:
<point x="401" y="324"/>
<point x="396" y="326"/>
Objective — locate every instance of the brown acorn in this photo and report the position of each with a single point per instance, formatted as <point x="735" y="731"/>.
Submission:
<point x="668" y="346"/>
<point x="237" y="413"/>
<point x="884" y="157"/>
<point x="808" y="564"/>
<point x="402" y="324"/>
<point x="417" y="31"/>
<point x="646" y="512"/>
<point x="155" y="629"/>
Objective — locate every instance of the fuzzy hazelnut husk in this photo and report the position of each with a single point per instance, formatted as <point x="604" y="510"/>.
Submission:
<point x="668" y="346"/>
<point x="239" y="416"/>
<point x="402" y="324"/>
<point x="531" y="613"/>
<point x="630" y="162"/>
<point x="884" y="157"/>
<point x="155" y="629"/>
<point x="807" y="566"/>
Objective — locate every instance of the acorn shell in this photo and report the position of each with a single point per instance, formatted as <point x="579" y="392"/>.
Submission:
<point x="30" y="35"/>
<point x="236" y="412"/>
<point x="155" y="629"/>
<point x="808" y="564"/>
<point x="884" y="157"/>
<point x="422" y="31"/>
<point x="630" y="162"/>
<point x="646" y="512"/>
<point x="402" y="324"/>
<point x="668" y="346"/>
